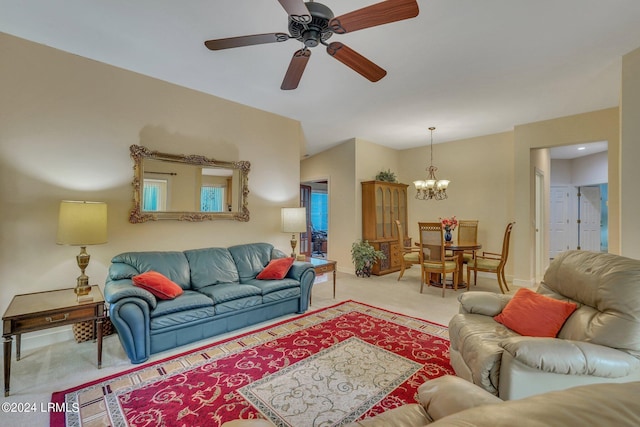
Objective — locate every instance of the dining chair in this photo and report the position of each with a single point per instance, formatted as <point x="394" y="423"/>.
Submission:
<point x="410" y="256"/>
<point x="467" y="234"/>
<point x="492" y="262"/>
<point x="433" y="259"/>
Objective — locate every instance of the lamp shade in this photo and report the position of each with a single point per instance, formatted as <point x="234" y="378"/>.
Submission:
<point x="82" y="223"/>
<point x="294" y="220"/>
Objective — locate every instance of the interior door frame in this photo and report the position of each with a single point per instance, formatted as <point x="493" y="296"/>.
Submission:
<point x="305" y="202"/>
<point x="540" y="225"/>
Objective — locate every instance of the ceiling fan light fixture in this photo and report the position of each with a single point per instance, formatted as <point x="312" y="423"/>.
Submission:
<point x="314" y="23"/>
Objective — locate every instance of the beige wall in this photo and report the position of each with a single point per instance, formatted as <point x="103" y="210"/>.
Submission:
<point x="336" y="165"/>
<point x="630" y="154"/>
<point x="600" y="125"/>
<point x="492" y="180"/>
<point x="481" y="174"/>
<point x="66" y="124"/>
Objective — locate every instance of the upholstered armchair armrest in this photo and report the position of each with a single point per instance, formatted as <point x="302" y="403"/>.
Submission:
<point x="449" y="394"/>
<point x="486" y="303"/>
<point x="567" y="357"/>
<point x="115" y="290"/>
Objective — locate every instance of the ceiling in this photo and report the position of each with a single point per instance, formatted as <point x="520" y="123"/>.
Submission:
<point x="568" y="152"/>
<point x="467" y="67"/>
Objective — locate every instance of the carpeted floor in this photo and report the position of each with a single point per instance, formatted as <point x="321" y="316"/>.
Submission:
<point x="328" y="367"/>
<point x="61" y="363"/>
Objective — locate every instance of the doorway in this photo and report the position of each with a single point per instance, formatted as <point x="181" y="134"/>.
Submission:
<point x="578" y="211"/>
<point x="316" y="201"/>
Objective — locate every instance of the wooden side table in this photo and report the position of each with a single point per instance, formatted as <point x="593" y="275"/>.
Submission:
<point x="322" y="266"/>
<point x="43" y="310"/>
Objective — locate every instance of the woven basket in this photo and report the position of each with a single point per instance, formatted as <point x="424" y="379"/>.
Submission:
<point x="83" y="331"/>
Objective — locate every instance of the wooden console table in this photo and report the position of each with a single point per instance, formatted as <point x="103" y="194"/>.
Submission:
<point x="43" y="310"/>
<point x="322" y="266"/>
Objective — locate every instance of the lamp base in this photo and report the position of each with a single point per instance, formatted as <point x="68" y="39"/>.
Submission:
<point x="82" y="286"/>
<point x="294" y="243"/>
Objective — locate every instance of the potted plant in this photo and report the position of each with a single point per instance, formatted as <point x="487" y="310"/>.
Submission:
<point x="364" y="256"/>
<point x="386" y="176"/>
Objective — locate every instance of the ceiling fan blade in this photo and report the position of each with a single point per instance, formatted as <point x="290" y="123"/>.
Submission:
<point x="355" y="61"/>
<point x="295" y="70"/>
<point x="296" y="10"/>
<point x="232" y="42"/>
<point x="377" y="14"/>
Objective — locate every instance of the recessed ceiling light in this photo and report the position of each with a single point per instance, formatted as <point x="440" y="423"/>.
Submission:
<point x="582" y="148"/>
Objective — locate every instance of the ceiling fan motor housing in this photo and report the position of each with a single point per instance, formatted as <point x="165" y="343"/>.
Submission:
<point x="316" y="31"/>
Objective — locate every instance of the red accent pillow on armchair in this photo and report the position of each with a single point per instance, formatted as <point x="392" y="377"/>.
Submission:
<point x="159" y="285"/>
<point x="534" y="315"/>
<point x="276" y="269"/>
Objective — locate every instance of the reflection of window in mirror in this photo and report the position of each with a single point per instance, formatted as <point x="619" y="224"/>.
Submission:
<point x="212" y="198"/>
<point x="154" y="195"/>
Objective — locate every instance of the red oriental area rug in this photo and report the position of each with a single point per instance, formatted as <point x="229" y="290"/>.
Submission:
<point x="328" y="367"/>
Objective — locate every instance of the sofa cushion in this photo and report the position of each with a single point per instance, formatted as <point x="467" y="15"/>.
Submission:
<point x="210" y="266"/>
<point x="269" y="286"/>
<point x="178" y="318"/>
<point x="534" y="315"/>
<point x="277" y="269"/>
<point x="159" y="285"/>
<point x="223" y="292"/>
<point x="187" y="301"/>
<point x="239" y="304"/>
<point x="251" y="259"/>
<point x="173" y="265"/>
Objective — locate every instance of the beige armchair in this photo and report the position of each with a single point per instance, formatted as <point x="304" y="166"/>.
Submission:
<point x="451" y="401"/>
<point x="599" y="342"/>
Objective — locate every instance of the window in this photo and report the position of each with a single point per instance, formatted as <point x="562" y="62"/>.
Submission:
<point x="154" y="194"/>
<point x="211" y="198"/>
<point x="319" y="211"/>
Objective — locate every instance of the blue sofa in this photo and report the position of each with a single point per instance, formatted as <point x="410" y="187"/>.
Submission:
<point x="221" y="293"/>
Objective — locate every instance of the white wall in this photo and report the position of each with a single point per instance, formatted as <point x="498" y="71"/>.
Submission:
<point x="586" y="170"/>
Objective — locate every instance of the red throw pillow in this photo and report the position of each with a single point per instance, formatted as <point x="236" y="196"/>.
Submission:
<point x="276" y="269"/>
<point x="160" y="286"/>
<point x="535" y="315"/>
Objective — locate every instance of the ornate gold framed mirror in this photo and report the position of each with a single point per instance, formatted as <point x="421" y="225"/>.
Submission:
<point x="187" y="188"/>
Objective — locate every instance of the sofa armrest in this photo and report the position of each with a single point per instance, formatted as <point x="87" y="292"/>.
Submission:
<point x="567" y="357"/>
<point x="115" y="290"/>
<point x="486" y="303"/>
<point x="297" y="269"/>
<point x="449" y="394"/>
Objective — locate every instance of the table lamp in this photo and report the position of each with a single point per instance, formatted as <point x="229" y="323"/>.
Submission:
<point x="82" y="224"/>
<point x="294" y="220"/>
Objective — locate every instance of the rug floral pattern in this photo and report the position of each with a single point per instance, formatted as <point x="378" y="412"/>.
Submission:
<point x="215" y="384"/>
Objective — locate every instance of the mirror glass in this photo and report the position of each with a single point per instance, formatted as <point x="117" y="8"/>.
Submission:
<point x="187" y="188"/>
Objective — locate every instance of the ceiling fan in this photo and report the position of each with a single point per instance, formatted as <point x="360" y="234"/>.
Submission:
<point x="314" y="23"/>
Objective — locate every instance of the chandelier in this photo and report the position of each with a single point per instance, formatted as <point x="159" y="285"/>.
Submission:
<point x="432" y="187"/>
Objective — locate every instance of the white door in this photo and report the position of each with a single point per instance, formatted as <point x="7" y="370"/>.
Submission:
<point x="559" y="227"/>
<point x="590" y="218"/>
